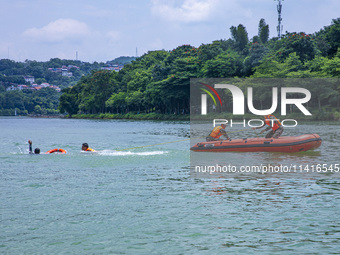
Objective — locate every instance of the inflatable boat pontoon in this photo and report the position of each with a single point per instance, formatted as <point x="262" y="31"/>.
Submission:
<point x="281" y="144"/>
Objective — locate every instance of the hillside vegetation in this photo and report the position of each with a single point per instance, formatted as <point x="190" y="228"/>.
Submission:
<point x="158" y="83"/>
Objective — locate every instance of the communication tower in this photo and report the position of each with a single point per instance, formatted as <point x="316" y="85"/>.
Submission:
<point x="279" y="26"/>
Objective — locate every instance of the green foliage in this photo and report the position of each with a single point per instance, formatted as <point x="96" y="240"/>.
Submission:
<point x="302" y="44"/>
<point x="43" y="101"/>
<point x="13" y="72"/>
<point x="210" y="51"/>
<point x="69" y="101"/>
<point x="263" y="31"/>
<point x="123" y="60"/>
<point x="331" y="67"/>
<point x="328" y="39"/>
<point x="96" y="90"/>
<point x="240" y="36"/>
<point x="256" y="53"/>
<point x="226" y="64"/>
<point x="117" y="101"/>
<point x="158" y="83"/>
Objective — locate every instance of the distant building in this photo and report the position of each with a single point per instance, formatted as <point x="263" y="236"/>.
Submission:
<point x="21" y="87"/>
<point x="116" y="68"/>
<point x="55" y="70"/>
<point x="56" y="88"/>
<point x="72" y="66"/>
<point x="45" y="84"/>
<point x="64" y="70"/>
<point x="33" y="87"/>
<point x="29" y="78"/>
<point x="108" y="68"/>
<point x="11" y="88"/>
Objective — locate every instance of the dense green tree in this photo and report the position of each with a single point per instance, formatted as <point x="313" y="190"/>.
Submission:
<point x="269" y="67"/>
<point x="14" y="99"/>
<point x="263" y="31"/>
<point x="210" y="51"/>
<point x="240" y="36"/>
<point x="333" y="36"/>
<point x="135" y="100"/>
<point x="328" y="38"/>
<point x="302" y="44"/>
<point x="226" y="64"/>
<point x="331" y="67"/>
<point x="256" y="53"/>
<point x="117" y="102"/>
<point x="96" y="90"/>
<point x="140" y="80"/>
<point x="69" y="100"/>
<point x="8" y="65"/>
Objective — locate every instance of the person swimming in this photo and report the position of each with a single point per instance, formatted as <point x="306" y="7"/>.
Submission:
<point x="36" y="150"/>
<point x="85" y="147"/>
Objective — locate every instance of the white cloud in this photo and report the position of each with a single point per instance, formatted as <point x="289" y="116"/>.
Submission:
<point x="58" y="31"/>
<point x="189" y="11"/>
<point x="156" y="44"/>
<point x="94" y="11"/>
<point x="113" y="36"/>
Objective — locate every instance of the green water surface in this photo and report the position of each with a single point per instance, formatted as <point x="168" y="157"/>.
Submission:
<point x="143" y="201"/>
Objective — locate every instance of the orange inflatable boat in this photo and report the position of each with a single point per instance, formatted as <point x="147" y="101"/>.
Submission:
<point x="281" y="144"/>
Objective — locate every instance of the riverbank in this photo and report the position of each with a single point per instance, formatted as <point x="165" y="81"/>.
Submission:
<point x="132" y="116"/>
<point x="316" y="116"/>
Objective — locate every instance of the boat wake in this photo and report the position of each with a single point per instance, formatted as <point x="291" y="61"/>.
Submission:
<point x="129" y="153"/>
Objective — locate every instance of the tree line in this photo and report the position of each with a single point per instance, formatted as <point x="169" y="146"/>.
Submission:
<point x="159" y="81"/>
<point x="44" y="101"/>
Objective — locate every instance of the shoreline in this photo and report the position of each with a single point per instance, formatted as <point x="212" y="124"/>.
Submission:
<point x="131" y="116"/>
<point x="185" y="117"/>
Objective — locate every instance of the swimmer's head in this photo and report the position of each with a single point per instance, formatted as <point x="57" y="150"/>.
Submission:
<point x="36" y="151"/>
<point x="84" y="146"/>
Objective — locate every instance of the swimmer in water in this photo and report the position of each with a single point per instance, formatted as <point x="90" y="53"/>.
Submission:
<point x="85" y="147"/>
<point x="36" y="150"/>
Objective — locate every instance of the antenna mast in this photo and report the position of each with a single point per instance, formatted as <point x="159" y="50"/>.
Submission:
<point x="279" y="26"/>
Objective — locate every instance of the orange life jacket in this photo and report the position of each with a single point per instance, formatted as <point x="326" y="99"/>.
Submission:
<point x="274" y="124"/>
<point x="89" y="149"/>
<point x="216" y="133"/>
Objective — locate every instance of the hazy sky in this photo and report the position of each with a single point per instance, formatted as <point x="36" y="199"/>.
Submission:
<point x="102" y="30"/>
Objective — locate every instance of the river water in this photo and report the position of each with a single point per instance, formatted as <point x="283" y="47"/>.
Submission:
<point x="127" y="200"/>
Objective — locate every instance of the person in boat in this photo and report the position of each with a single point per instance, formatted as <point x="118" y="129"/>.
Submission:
<point x="217" y="133"/>
<point x="85" y="147"/>
<point x="274" y="124"/>
<point x="36" y="150"/>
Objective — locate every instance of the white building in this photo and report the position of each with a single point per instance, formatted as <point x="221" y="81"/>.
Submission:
<point x="29" y="78"/>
